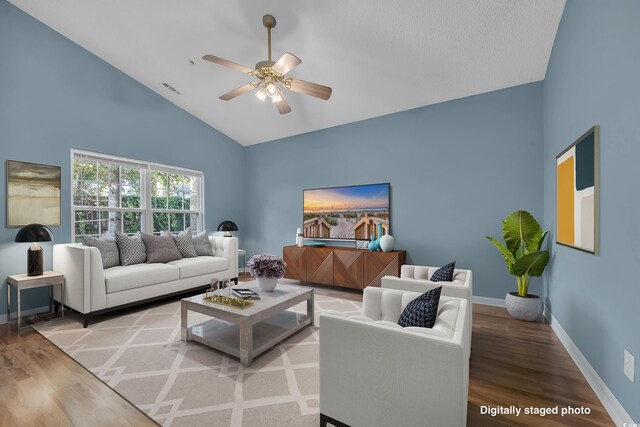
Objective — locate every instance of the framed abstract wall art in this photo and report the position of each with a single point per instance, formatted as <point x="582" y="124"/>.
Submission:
<point x="33" y="194"/>
<point x="577" y="177"/>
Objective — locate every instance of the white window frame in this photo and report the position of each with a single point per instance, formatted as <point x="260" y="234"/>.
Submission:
<point x="146" y="210"/>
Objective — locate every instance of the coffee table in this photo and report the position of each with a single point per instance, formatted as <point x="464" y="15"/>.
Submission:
<point x="246" y="333"/>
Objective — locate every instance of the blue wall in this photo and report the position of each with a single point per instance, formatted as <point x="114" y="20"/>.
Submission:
<point x="456" y="170"/>
<point x="54" y="95"/>
<point x="593" y="79"/>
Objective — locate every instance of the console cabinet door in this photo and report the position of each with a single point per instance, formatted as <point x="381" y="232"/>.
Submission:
<point x="348" y="268"/>
<point x="378" y="264"/>
<point x="320" y="266"/>
<point x="295" y="258"/>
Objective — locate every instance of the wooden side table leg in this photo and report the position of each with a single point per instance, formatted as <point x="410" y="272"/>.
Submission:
<point x="18" y="311"/>
<point x="8" y="303"/>
<point x="62" y="297"/>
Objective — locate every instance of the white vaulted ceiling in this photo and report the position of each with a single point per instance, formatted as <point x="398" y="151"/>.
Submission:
<point x="379" y="56"/>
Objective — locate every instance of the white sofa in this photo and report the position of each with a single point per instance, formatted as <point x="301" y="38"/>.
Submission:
<point x="91" y="290"/>
<point x="374" y="373"/>
<point x="417" y="278"/>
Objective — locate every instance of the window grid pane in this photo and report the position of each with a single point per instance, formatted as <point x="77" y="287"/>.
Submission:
<point x="109" y="184"/>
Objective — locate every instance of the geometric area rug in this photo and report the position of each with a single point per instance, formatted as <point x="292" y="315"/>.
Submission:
<point x="140" y="355"/>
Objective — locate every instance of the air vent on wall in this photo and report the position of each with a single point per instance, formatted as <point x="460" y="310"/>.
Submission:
<point x="171" y="88"/>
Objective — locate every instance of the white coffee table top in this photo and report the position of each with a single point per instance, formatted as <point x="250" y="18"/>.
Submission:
<point x="268" y="300"/>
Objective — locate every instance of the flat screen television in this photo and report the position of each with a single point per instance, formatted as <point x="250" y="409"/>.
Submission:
<point x="346" y="213"/>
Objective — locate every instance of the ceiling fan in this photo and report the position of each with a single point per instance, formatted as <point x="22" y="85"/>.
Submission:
<point x="271" y="76"/>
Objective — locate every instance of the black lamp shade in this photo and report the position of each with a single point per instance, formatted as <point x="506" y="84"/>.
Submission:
<point x="227" y="227"/>
<point x="34" y="233"/>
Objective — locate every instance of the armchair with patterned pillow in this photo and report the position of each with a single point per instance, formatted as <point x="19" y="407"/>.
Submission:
<point x="417" y="278"/>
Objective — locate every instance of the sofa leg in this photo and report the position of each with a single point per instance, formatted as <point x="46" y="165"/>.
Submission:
<point x="56" y="306"/>
<point x="324" y="419"/>
<point x="85" y="321"/>
<point x="235" y="280"/>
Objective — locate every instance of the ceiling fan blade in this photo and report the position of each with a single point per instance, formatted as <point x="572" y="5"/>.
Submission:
<point x="226" y="63"/>
<point x="283" y="106"/>
<point x="311" y="89"/>
<point x="237" y="92"/>
<point x="286" y="63"/>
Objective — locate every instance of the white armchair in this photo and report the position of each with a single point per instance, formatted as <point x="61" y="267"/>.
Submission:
<point x="375" y="373"/>
<point x="416" y="278"/>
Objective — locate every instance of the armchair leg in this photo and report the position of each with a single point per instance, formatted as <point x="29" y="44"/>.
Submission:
<point x="235" y="280"/>
<point x="85" y="321"/>
<point x="56" y="306"/>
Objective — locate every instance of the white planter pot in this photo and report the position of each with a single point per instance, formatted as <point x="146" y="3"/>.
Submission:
<point x="267" y="284"/>
<point x="527" y="308"/>
<point x="386" y="243"/>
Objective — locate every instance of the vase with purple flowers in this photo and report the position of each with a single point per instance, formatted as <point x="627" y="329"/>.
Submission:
<point x="267" y="269"/>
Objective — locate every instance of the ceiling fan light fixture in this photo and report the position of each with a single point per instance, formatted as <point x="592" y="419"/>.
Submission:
<point x="261" y="95"/>
<point x="271" y="89"/>
<point x="276" y="98"/>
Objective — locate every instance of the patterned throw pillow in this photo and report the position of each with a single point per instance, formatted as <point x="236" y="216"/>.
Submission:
<point x="184" y="242"/>
<point x="132" y="249"/>
<point x="422" y="311"/>
<point x="160" y="248"/>
<point x="444" y="274"/>
<point x="107" y="247"/>
<point x="202" y="245"/>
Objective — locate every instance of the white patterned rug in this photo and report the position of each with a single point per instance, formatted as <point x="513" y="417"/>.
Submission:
<point x="140" y="355"/>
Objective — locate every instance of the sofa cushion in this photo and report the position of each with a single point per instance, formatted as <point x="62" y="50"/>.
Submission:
<point x="184" y="242"/>
<point x="444" y="274"/>
<point x="202" y="245"/>
<point x="107" y="247"/>
<point x="132" y="249"/>
<point x="160" y="248"/>
<point x="121" y="278"/>
<point x="422" y="311"/>
<point x="191" y="267"/>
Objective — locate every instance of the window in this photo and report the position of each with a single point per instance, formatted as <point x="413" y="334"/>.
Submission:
<point x="116" y="194"/>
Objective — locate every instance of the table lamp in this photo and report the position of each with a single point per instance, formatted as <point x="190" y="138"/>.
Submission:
<point x="227" y="227"/>
<point x="34" y="233"/>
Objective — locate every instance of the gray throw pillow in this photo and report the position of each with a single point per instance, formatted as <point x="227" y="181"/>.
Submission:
<point x="184" y="242"/>
<point x="202" y="245"/>
<point x="132" y="249"/>
<point x="160" y="248"/>
<point x="107" y="247"/>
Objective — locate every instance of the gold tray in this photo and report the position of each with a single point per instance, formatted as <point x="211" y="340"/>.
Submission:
<point x="227" y="301"/>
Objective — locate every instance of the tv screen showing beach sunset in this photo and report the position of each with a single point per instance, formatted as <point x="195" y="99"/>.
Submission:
<point x="346" y="212"/>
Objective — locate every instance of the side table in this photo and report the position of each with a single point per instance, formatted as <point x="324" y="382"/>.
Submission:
<point x="242" y="253"/>
<point x="23" y="281"/>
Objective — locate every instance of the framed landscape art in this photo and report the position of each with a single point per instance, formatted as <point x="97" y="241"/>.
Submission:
<point x="33" y="194"/>
<point x="577" y="207"/>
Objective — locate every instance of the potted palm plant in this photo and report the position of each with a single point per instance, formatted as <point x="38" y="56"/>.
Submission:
<point x="523" y="239"/>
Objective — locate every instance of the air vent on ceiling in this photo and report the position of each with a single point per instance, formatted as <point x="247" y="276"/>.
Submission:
<point x="171" y="88"/>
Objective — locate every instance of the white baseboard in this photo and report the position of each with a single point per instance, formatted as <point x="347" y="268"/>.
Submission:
<point x="37" y="310"/>
<point x="496" y="302"/>
<point x="613" y="407"/>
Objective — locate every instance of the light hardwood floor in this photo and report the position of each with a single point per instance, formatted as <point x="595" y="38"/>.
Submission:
<point x="512" y="363"/>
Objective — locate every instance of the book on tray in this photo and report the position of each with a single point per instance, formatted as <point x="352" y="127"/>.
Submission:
<point x="245" y="293"/>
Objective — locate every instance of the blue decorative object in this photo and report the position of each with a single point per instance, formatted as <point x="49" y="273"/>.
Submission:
<point x="373" y="245"/>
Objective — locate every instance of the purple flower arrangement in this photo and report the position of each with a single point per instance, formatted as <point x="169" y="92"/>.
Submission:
<point x="268" y="266"/>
